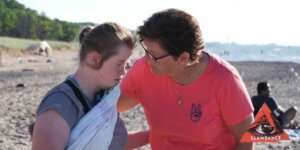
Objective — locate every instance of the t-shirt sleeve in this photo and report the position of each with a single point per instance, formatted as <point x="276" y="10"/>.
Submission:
<point x="272" y="104"/>
<point x="253" y="99"/>
<point x="62" y="104"/>
<point x="235" y="101"/>
<point x="130" y="84"/>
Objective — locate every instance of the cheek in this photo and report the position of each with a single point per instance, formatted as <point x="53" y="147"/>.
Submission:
<point x="112" y="71"/>
<point x="106" y="72"/>
<point x="115" y="71"/>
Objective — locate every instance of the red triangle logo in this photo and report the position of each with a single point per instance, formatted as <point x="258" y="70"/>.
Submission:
<point x="265" y="128"/>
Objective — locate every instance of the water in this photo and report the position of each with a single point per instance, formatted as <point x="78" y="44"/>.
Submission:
<point x="294" y="135"/>
<point x="271" y="52"/>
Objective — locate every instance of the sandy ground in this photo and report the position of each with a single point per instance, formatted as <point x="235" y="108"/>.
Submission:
<point x="37" y="75"/>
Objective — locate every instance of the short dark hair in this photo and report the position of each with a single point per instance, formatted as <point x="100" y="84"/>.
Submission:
<point x="261" y="86"/>
<point x="175" y="30"/>
<point x="103" y="39"/>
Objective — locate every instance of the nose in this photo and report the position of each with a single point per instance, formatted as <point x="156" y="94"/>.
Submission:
<point x="122" y="71"/>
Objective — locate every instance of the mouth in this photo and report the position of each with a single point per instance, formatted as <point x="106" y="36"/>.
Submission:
<point x="118" y="80"/>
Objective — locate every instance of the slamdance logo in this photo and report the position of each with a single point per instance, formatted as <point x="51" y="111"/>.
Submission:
<point x="265" y="128"/>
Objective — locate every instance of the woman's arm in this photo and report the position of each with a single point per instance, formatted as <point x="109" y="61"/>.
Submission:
<point x="137" y="139"/>
<point x="238" y="130"/>
<point x="125" y="103"/>
<point x="51" y="132"/>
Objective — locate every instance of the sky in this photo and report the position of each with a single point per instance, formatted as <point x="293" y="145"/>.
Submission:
<point x="226" y="21"/>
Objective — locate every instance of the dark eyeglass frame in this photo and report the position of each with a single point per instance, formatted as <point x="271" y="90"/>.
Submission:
<point x="151" y="56"/>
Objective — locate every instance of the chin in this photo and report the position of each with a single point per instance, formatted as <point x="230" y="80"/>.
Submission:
<point x="110" y="85"/>
<point x="117" y="82"/>
<point x="156" y="72"/>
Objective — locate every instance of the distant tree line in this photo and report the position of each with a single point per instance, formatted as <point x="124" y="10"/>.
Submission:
<point x="18" y="21"/>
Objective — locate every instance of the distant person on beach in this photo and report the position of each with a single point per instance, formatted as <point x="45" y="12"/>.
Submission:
<point x="104" y="51"/>
<point x="192" y="99"/>
<point x="263" y="96"/>
<point x="45" y="49"/>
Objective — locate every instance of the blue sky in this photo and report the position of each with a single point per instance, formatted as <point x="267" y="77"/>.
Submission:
<point x="240" y="21"/>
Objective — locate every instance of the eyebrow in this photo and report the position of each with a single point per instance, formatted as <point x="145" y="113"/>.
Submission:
<point x="149" y="50"/>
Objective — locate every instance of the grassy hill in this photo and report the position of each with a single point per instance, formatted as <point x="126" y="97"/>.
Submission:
<point x="18" y="46"/>
<point x="23" y="44"/>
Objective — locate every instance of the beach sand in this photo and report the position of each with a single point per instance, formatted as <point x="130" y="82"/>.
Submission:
<point x="24" y="80"/>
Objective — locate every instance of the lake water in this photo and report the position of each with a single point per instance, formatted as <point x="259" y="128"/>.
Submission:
<point x="257" y="53"/>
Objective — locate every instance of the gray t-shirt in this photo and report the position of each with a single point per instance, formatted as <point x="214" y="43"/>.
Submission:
<point x="63" y="100"/>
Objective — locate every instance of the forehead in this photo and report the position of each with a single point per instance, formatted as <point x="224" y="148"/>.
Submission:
<point x="152" y="45"/>
<point x="123" y="52"/>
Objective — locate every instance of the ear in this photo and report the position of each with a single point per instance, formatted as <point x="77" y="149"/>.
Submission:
<point x="184" y="58"/>
<point x="93" y="58"/>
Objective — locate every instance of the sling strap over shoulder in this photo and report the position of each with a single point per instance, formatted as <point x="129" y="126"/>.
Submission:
<point x="78" y="95"/>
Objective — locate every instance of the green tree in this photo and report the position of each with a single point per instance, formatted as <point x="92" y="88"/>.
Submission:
<point x="18" y="21"/>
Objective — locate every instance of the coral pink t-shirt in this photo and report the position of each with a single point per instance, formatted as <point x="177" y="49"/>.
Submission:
<point x="215" y="101"/>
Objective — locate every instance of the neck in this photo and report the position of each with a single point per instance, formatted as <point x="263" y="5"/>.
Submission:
<point x="264" y="96"/>
<point x="190" y="73"/>
<point x="84" y="77"/>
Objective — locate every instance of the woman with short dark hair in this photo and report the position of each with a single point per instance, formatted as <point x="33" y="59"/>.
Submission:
<point x="192" y="98"/>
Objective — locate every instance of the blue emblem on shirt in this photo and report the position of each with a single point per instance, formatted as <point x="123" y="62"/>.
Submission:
<point x="196" y="113"/>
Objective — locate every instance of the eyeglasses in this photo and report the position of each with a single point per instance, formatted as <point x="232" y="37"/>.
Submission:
<point x="153" y="58"/>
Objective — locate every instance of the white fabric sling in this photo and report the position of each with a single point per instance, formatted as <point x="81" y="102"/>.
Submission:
<point x="94" y="131"/>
